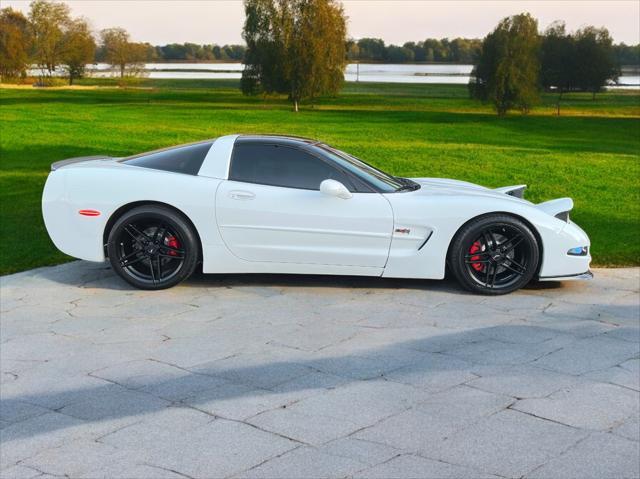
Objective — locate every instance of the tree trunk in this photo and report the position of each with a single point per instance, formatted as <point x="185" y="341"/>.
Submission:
<point x="295" y="105"/>
<point x="593" y="97"/>
<point x="70" y="79"/>
<point x="122" y="70"/>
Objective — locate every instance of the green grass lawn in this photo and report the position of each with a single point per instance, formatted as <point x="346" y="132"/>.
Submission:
<point x="591" y="152"/>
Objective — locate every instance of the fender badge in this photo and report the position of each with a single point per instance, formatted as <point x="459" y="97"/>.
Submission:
<point x="404" y="231"/>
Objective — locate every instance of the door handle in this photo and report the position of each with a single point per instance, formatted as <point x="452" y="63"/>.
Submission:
<point x="241" y="195"/>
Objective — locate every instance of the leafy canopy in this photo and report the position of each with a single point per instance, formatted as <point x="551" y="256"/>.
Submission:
<point x="585" y="60"/>
<point x="121" y="52"/>
<point x="48" y="22"/>
<point x="15" y="42"/>
<point x="507" y="70"/>
<point x="296" y="47"/>
<point x="80" y="48"/>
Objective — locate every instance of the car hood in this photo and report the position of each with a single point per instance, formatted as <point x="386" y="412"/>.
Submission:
<point x="443" y="186"/>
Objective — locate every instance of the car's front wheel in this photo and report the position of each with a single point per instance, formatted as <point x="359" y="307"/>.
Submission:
<point x="494" y="254"/>
<point x="153" y="247"/>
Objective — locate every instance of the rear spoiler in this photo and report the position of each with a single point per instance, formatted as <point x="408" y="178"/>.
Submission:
<point x="80" y="159"/>
<point x="559" y="208"/>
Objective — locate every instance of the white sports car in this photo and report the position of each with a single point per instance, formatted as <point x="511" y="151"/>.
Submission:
<point x="275" y="204"/>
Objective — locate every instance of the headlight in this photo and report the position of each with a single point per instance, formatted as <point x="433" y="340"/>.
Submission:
<point x="578" y="251"/>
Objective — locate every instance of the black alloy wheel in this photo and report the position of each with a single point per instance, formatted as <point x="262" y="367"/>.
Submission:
<point x="153" y="247"/>
<point x="494" y="254"/>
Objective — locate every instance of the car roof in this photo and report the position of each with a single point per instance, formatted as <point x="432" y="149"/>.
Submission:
<point x="276" y="139"/>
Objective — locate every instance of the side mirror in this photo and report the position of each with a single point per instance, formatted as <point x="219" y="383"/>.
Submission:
<point x="335" y="188"/>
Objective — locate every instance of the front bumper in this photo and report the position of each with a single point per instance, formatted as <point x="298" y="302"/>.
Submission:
<point x="572" y="277"/>
<point x="556" y="263"/>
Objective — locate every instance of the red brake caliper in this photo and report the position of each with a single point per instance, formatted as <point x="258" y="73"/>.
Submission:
<point x="475" y="247"/>
<point x="172" y="242"/>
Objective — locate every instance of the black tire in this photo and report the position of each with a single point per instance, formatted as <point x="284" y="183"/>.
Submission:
<point x="494" y="254"/>
<point x="153" y="247"/>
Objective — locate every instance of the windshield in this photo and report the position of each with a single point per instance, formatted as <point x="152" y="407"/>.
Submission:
<point x="382" y="181"/>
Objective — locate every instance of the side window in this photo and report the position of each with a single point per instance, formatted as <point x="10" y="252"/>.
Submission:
<point x="182" y="159"/>
<point x="281" y="166"/>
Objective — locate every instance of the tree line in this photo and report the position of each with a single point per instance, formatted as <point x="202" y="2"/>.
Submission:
<point x="195" y="52"/>
<point x="516" y="63"/>
<point x="183" y="52"/>
<point x="432" y="50"/>
<point x="458" y="50"/>
<point x="300" y="48"/>
<point x="49" y="38"/>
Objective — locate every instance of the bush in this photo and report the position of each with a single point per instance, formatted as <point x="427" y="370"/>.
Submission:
<point x="46" y="82"/>
<point x="129" y="81"/>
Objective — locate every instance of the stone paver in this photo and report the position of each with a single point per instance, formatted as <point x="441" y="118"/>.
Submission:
<point x="305" y="462"/>
<point x="591" y="406"/>
<point x="600" y="455"/>
<point x="507" y="444"/>
<point x="409" y="466"/>
<point x="316" y="377"/>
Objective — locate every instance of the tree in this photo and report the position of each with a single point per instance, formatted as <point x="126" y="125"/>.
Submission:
<point x="235" y="52"/>
<point x="463" y="50"/>
<point x="396" y="54"/>
<point x="508" y="67"/>
<point x="372" y="49"/>
<point x="15" y="41"/>
<point x="417" y="49"/>
<point x="353" y="50"/>
<point x="627" y="54"/>
<point x="596" y="62"/>
<point x="557" y="57"/>
<point x="79" y="48"/>
<point x="297" y="47"/>
<point x="121" y="53"/>
<point x="557" y="60"/>
<point x="48" y="21"/>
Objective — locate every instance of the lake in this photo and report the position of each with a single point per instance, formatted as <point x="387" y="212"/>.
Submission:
<point x="364" y="72"/>
<point x="388" y="73"/>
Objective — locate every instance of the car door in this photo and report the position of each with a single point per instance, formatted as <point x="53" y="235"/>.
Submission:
<point x="271" y="209"/>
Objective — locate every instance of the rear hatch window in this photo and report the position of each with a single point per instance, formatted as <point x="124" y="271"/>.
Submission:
<point x="185" y="159"/>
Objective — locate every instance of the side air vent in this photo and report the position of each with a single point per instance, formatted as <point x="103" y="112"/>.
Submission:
<point x="564" y="216"/>
<point x="518" y="192"/>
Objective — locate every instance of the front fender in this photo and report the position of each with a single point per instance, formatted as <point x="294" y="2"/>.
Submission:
<point x="440" y="217"/>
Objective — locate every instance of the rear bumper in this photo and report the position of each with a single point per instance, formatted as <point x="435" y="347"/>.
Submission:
<point x="74" y="234"/>
<point x="587" y="275"/>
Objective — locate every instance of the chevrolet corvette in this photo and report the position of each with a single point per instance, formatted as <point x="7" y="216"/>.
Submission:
<point x="279" y="204"/>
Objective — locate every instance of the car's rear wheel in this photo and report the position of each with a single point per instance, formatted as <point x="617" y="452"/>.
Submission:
<point x="153" y="247"/>
<point x="494" y="254"/>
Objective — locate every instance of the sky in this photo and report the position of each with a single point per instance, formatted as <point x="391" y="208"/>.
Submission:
<point x="395" y="21"/>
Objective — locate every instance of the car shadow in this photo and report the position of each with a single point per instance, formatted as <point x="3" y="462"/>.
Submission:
<point x="199" y="280"/>
<point x="85" y="274"/>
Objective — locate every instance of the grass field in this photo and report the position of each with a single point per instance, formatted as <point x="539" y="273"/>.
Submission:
<point x="590" y="153"/>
